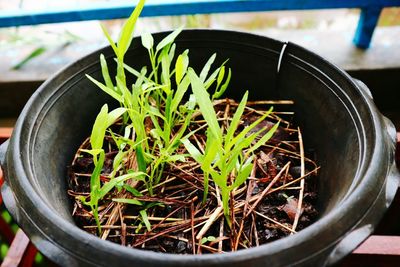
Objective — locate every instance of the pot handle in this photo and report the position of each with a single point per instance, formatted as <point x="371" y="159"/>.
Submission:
<point x="3" y="150"/>
<point x="10" y="202"/>
<point x="6" y="192"/>
<point x="348" y="244"/>
<point x="363" y="87"/>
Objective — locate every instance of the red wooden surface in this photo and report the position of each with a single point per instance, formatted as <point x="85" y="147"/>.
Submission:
<point x="381" y="250"/>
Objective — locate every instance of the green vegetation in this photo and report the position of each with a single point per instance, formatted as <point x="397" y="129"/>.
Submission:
<point x="156" y="113"/>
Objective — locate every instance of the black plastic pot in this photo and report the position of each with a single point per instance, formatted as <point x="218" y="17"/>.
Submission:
<point x="353" y="141"/>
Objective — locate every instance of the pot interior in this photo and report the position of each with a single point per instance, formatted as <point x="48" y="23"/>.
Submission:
<point x="329" y="122"/>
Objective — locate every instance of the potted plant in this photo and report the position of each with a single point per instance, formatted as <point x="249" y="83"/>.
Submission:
<point x="172" y="174"/>
<point x="332" y="109"/>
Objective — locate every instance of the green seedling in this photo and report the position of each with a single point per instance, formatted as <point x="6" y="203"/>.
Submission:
<point x="156" y="118"/>
<point x="224" y="157"/>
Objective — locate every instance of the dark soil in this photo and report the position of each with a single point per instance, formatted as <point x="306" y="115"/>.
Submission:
<point x="277" y="200"/>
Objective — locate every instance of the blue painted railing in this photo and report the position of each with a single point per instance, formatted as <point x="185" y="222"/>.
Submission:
<point x="370" y="11"/>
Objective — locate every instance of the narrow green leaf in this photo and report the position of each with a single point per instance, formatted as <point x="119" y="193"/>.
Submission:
<point x="95" y="178"/>
<point x="221" y="75"/>
<point x="107" y="90"/>
<point x="171" y="53"/>
<point x="132" y="190"/>
<point x="173" y="158"/>
<point x="247" y="129"/>
<point x="104" y="71"/>
<point x="243" y="174"/>
<point x="128" y="201"/>
<point x="118" y="159"/>
<point x="147" y="41"/>
<point x="99" y="128"/>
<point x="180" y="92"/>
<point x="35" y="53"/>
<point x="110" y="40"/>
<point x="169" y="39"/>
<point x="181" y="66"/>
<point x="126" y="36"/>
<point x="165" y="71"/>
<point x="107" y="187"/>
<point x="145" y="219"/>
<point x="114" y="115"/>
<point x="206" y="68"/>
<point x="205" y="104"/>
<point x="219" y="179"/>
<point x="211" y="238"/>
<point x="223" y="88"/>
<point x="193" y="151"/>
<point x="212" y="149"/>
<point x="264" y="139"/>
<point x="211" y="79"/>
<point x="236" y="117"/>
<point x="93" y="152"/>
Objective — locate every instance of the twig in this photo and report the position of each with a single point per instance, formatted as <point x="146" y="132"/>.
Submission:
<point x="264" y="193"/>
<point x="301" y="193"/>
<point x="209" y="222"/>
<point x="192" y="227"/>
<point x="276" y="222"/>
<point x="221" y="234"/>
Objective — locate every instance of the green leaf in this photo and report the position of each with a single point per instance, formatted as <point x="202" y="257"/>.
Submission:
<point x="223" y="88"/>
<point x="206" y="68"/>
<point x="99" y="128"/>
<point x="110" y="40"/>
<point x="243" y="173"/>
<point x="173" y="158"/>
<point x="180" y="92"/>
<point x="147" y="41"/>
<point x="118" y="159"/>
<point x="212" y="149"/>
<point x="114" y="115"/>
<point x="221" y="75"/>
<point x="104" y="71"/>
<point x="145" y="219"/>
<point x="35" y="53"/>
<point x="193" y="151"/>
<point x="107" y="90"/>
<point x="171" y="53"/>
<point x="168" y="39"/>
<point x="128" y="201"/>
<point x="132" y="190"/>
<point x="181" y="66"/>
<point x="126" y="36"/>
<point x="205" y="104"/>
<point x="211" y="238"/>
<point x="236" y="117"/>
<point x="218" y="179"/>
<point x="95" y="178"/>
<point x="211" y="79"/>
<point x="165" y="71"/>
<point x="247" y="129"/>
<point x="107" y="187"/>
<point x="264" y="139"/>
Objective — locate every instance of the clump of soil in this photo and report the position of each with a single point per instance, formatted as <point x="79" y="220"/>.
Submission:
<point x="277" y="200"/>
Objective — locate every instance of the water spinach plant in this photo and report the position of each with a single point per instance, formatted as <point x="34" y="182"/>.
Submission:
<point x="175" y="168"/>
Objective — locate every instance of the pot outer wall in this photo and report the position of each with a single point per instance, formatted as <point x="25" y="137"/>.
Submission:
<point x="353" y="141"/>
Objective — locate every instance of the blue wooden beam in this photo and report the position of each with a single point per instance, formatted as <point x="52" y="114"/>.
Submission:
<point x="366" y="25"/>
<point x="368" y="19"/>
<point x="109" y="10"/>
